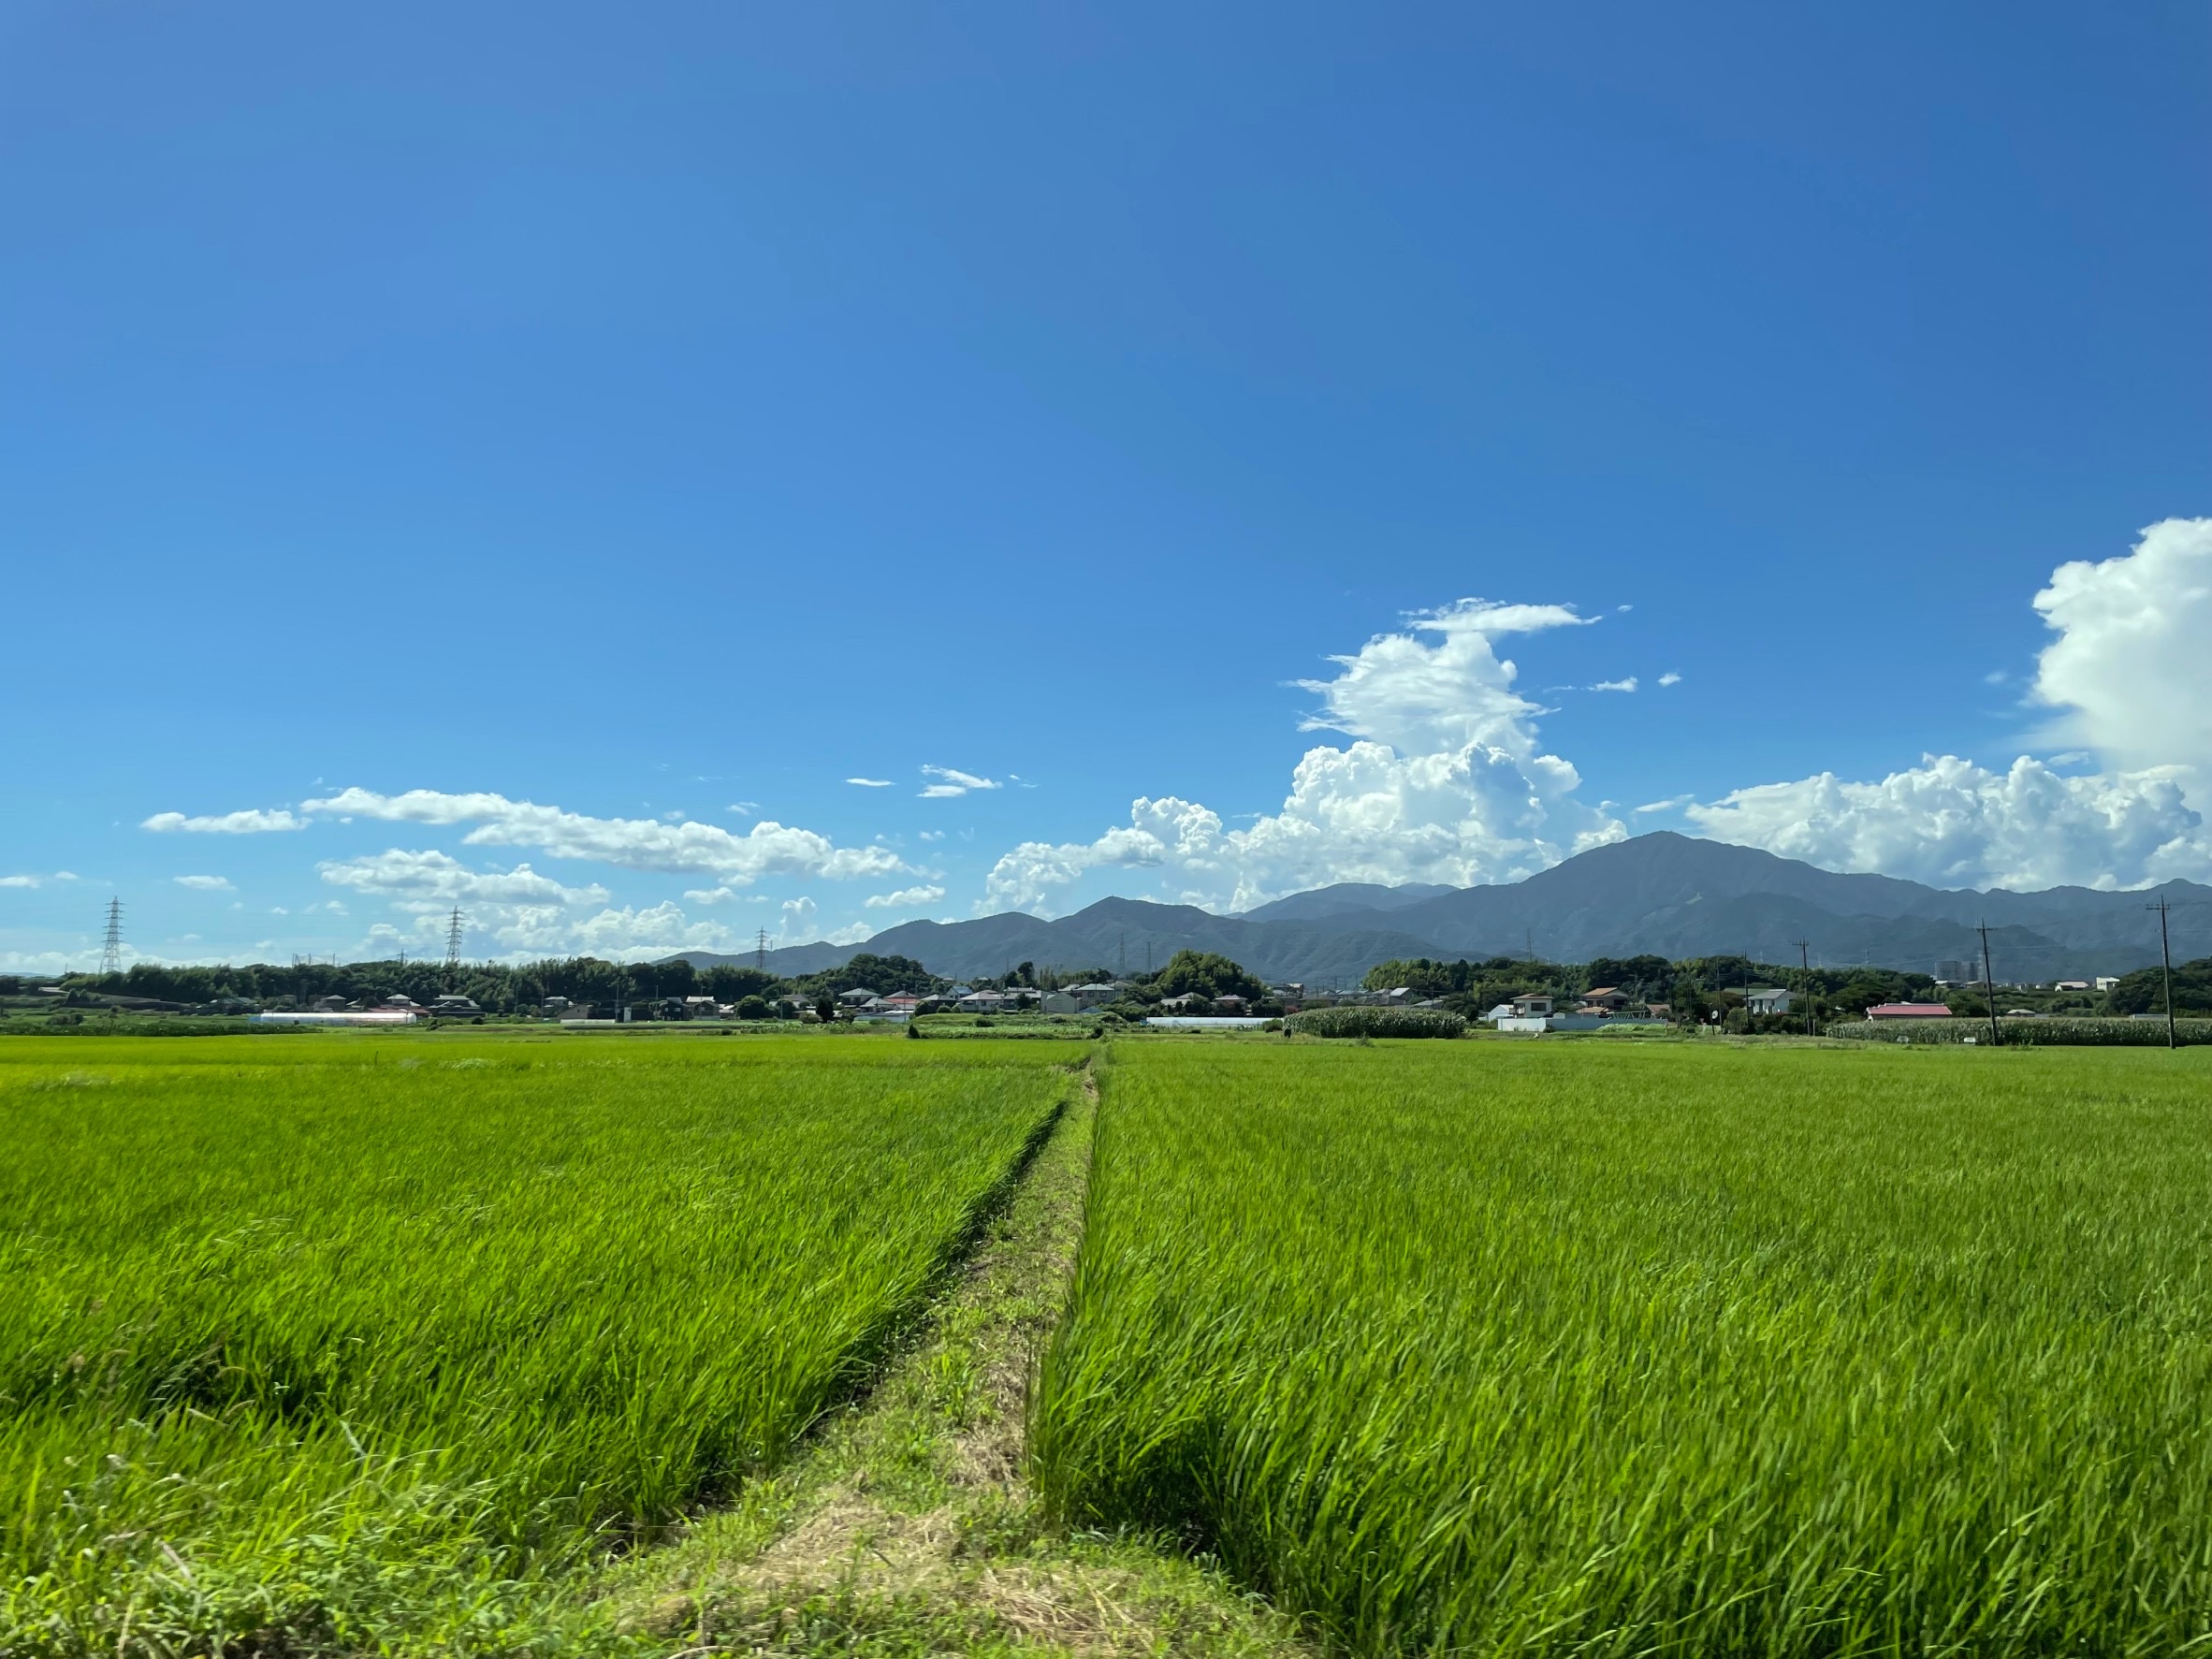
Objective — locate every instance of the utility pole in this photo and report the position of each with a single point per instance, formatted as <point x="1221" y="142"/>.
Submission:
<point x="1989" y="983"/>
<point x="2166" y="959"/>
<point x="1528" y="944"/>
<point x="1805" y="980"/>
<point x="112" y="947"/>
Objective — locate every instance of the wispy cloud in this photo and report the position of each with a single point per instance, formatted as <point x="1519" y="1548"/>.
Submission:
<point x="1671" y="678"/>
<point x="952" y="781"/>
<point x="253" y="822"/>
<point x="1672" y="804"/>
<point x="904" y="898"/>
<point x="204" y="883"/>
<point x="1614" y="685"/>
<point x="768" y="849"/>
<point x="870" y="782"/>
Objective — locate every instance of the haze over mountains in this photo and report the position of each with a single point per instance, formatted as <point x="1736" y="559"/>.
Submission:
<point x="1663" y="894"/>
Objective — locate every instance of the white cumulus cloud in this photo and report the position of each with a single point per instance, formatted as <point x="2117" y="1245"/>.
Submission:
<point x="432" y="881"/>
<point x="2129" y="679"/>
<point x="768" y="849"/>
<point x="19" y="881"/>
<point x="904" y="898"/>
<point x="1615" y="685"/>
<point x="1951" y="823"/>
<point x="2131" y="672"/>
<point x="252" y="822"/>
<point x="204" y="883"/>
<point x="1444" y="782"/>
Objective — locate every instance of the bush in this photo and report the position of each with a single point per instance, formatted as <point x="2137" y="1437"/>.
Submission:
<point x="1377" y="1021"/>
<point x="2029" y="1033"/>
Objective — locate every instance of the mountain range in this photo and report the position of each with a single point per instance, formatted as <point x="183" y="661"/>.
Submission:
<point x="1662" y="895"/>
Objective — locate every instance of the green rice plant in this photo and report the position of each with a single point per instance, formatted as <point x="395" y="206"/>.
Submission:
<point x="351" y="1343"/>
<point x="1377" y="1021"/>
<point x="1676" y="1349"/>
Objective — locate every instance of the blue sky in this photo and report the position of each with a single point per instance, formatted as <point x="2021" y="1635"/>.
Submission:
<point x="599" y="422"/>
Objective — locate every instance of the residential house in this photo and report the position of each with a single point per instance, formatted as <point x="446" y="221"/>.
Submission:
<point x="1604" y="999"/>
<point x="2072" y="985"/>
<point x="1058" y="1002"/>
<point x="1096" y="995"/>
<point x="2106" y="982"/>
<point x="1766" y="999"/>
<point x="1532" y="1005"/>
<point x="989" y="1002"/>
<point x="856" y="997"/>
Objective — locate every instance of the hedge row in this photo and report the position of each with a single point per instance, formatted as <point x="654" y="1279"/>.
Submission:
<point x="2027" y="1033"/>
<point x="1377" y="1021"/>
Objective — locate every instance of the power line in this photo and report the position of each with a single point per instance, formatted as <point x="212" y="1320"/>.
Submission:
<point x="112" y="947"/>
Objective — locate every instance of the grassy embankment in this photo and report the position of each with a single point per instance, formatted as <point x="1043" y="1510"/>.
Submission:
<point x="1687" y="1349"/>
<point x="340" y="1344"/>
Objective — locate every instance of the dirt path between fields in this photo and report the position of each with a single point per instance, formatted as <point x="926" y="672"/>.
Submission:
<point x="907" y="1526"/>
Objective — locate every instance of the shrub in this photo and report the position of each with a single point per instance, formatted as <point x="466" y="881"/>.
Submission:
<point x="2085" y="1033"/>
<point x="1377" y="1021"/>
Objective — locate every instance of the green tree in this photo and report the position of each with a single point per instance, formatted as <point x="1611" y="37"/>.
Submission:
<point x="884" y="975"/>
<point x="1207" y="975"/>
<point x="727" y="983"/>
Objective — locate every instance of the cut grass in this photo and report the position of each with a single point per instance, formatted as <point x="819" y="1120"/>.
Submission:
<point x="1684" y="1349"/>
<point x="332" y="1345"/>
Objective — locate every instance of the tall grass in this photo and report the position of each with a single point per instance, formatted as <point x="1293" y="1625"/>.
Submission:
<point x="356" y="1341"/>
<point x="1671" y="1350"/>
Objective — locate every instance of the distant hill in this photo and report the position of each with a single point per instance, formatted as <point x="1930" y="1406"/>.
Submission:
<point x="788" y="962"/>
<point x="1345" y="897"/>
<point x="1663" y="894"/>
<point x="1115" y="933"/>
<point x="1675" y="895"/>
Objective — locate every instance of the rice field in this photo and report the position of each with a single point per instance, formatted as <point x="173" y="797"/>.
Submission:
<point x="1656" y="1349"/>
<point x="359" y="1343"/>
